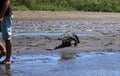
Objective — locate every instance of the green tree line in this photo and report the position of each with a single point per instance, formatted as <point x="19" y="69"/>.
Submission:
<point x="67" y="5"/>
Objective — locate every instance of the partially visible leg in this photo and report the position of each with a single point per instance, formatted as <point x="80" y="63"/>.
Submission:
<point x="2" y="49"/>
<point x="8" y="51"/>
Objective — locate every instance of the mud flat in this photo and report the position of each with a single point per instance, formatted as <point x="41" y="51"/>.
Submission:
<point x="35" y="32"/>
<point x="97" y="31"/>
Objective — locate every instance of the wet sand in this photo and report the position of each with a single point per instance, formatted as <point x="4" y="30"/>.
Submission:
<point x="36" y="32"/>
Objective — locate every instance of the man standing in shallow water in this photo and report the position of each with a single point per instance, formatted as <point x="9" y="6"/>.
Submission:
<point x="6" y="29"/>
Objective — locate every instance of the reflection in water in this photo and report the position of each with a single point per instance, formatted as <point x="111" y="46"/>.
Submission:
<point x="5" y="70"/>
<point x="68" y="55"/>
<point x="67" y="63"/>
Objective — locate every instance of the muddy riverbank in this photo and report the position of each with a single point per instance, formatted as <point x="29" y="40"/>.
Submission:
<point x="36" y="32"/>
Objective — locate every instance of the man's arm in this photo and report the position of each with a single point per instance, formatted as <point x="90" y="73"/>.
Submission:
<point x="5" y="7"/>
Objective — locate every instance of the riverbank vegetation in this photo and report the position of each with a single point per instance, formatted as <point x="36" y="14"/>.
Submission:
<point x="67" y="5"/>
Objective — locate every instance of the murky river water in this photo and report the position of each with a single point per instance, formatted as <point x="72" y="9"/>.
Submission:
<point x="54" y="64"/>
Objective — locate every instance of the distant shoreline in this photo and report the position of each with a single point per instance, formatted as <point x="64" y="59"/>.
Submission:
<point x="63" y="15"/>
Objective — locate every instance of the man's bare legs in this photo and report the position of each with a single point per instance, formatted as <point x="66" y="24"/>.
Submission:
<point x="8" y="44"/>
<point x="6" y="51"/>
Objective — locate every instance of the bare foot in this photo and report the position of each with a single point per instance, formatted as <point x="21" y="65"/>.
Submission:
<point x="8" y="62"/>
<point x="5" y="62"/>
